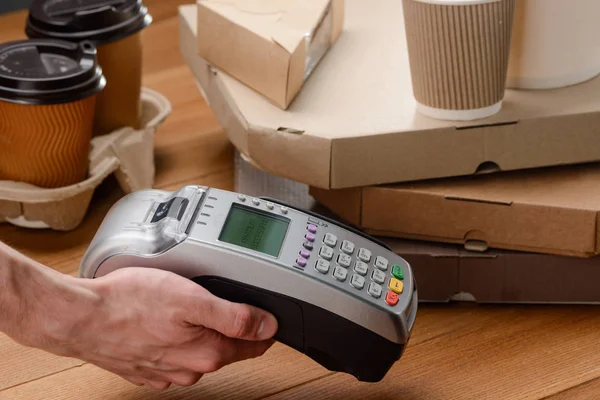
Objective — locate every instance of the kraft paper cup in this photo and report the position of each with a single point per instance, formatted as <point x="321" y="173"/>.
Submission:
<point x="48" y="94"/>
<point x="556" y="43"/>
<point x="458" y="52"/>
<point x="115" y="28"/>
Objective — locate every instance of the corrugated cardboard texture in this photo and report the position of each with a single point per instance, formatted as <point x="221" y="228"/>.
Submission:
<point x="46" y="145"/>
<point x="550" y="210"/>
<point x="355" y="121"/>
<point x="127" y="153"/>
<point x="266" y="45"/>
<point x="447" y="272"/>
<point x="459" y="53"/>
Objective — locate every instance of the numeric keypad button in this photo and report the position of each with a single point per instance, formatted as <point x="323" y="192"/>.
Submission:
<point x="364" y="255"/>
<point x="361" y="268"/>
<point x="375" y="290"/>
<point x="344" y="260"/>
<point x="381" y="263"/>
<point x="322" y="266"/>
<point x="326" y="252"/>
<point x="340" y="274"/>
<point x="330" y="239"/>
<point x="347" y="247"/>
<point x="357" y="281"/>
<point x="378" y="276"/>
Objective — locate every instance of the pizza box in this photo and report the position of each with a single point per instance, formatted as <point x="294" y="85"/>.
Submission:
<point x="545" y="210"/>
<point x="447" y="272"/>
<point x="355" y="121"/>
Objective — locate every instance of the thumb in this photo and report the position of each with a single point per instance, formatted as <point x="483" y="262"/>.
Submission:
<point x="234" y="320"/>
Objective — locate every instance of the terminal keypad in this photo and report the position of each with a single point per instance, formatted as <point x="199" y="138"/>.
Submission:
<point x="357" y="267"/>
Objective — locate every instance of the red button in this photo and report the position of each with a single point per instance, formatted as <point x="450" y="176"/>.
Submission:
<point x="391" y="298"/>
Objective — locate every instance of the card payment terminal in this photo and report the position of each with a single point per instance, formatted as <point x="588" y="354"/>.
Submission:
<point x="340" y="297"/>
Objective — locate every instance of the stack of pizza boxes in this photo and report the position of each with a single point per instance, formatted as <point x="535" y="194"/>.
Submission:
<point x="318" y="100"/>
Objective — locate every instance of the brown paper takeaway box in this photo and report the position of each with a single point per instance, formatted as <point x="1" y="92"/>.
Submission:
<point x="355" y="123"/>
<point x="548" y="210"/>
<point x="448" y="273"/>
<point x="271" y="46"/>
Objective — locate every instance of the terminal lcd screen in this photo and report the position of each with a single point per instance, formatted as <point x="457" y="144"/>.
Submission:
<point x="255" y="230"/>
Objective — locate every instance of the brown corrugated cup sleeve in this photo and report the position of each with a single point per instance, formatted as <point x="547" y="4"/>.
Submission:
<point x="48" y="92"/>
<point x="458" y="53"/>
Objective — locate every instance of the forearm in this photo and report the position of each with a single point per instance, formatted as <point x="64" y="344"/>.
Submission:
<point x="36" y="302"/>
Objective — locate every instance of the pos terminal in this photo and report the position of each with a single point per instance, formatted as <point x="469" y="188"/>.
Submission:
<point x="341" y="297"/>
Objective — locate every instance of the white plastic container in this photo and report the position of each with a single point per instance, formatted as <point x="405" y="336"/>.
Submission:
<point x="555" y="43"/>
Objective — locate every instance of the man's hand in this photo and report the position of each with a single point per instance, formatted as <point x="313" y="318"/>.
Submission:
<point x="152" y="327"/>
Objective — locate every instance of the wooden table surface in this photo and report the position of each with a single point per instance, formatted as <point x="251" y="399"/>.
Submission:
<point x="457" y="351"/>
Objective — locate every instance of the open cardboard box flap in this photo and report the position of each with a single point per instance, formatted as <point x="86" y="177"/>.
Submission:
<point x="546" y="210"/>
<point x="355" y="121"/>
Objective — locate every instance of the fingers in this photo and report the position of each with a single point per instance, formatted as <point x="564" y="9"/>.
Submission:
<point x="158" y="385"/>
<point x="228" y="351"/>
<point x="234" y="320"/>
<point x="211" y="354"/>
<point x="154" y="384"/>
<point x="136" y="381"/>
<point x="163" y="380"/>
<point x="179" y="378"/>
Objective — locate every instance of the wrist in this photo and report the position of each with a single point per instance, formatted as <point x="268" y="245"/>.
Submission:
<point x="41" y="307"/>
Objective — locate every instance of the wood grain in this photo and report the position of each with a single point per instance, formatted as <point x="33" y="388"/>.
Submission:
<point x="500" y="353"/>
<point x="457" y="351"/>
<point x="279" y="370"/>
<point x="586" y="391"/>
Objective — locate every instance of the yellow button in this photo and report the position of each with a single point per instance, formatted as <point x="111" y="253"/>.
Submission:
<point x="396" y="285"/>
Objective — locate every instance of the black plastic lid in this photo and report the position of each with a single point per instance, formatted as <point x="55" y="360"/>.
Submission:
<point x="46" y="71"/>
<point x="99" y="21"/>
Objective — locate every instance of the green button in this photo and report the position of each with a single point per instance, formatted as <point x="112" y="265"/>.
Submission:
<point x="397" y="272"/>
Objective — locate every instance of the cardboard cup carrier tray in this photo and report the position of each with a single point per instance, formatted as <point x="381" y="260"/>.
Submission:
<point x="128" y="153"/>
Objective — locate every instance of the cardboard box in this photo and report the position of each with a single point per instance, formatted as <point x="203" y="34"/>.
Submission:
<point x="547" y="210"/>
<point x="355" y="121"/>
<point x="273" y="47"/>
<point x="127" y="153"/>
<point x="448" y="273"/>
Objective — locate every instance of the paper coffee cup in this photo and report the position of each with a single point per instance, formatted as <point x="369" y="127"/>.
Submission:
<point x="48" y="94"/>
<point x="555" y="43"/>
<point x="458" y="52"/>
<point x="114" y="27"/>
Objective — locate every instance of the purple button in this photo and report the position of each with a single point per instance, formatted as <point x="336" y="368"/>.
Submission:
<point x="312" y="228"/>
<point x="305" y="253"/>
<point x="301" y="262"/>
<point x="310" y="237"/>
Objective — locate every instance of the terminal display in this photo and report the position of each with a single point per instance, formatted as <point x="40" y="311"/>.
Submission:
<point x="254" y="230"/>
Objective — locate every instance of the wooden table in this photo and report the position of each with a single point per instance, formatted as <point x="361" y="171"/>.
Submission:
<point x="456" y="352"/>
